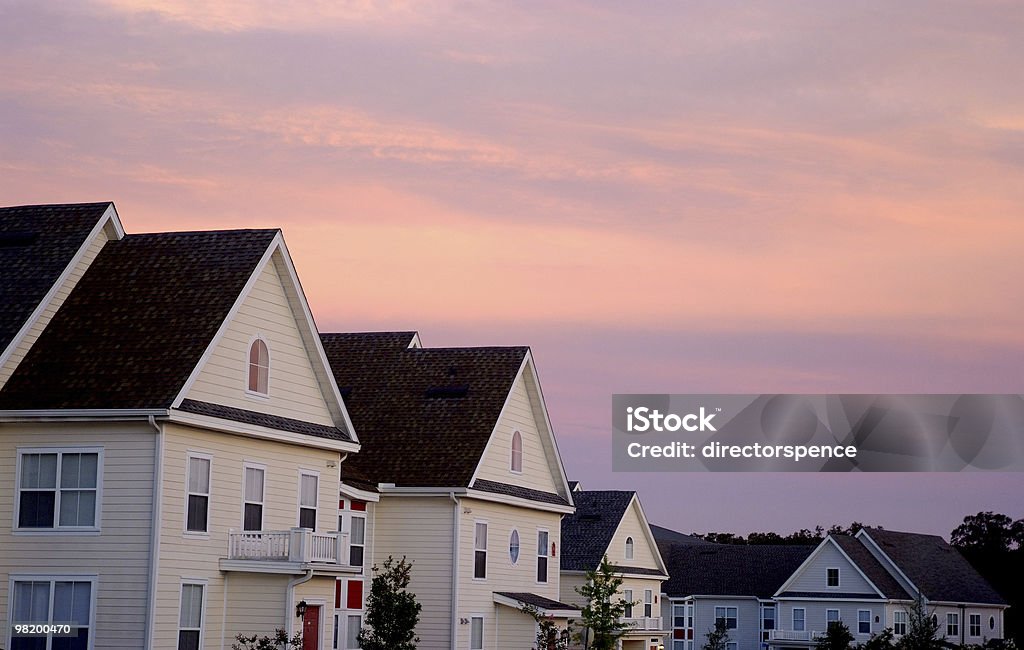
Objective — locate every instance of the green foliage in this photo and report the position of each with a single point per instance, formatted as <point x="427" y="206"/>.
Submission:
<point x="884" y="640"/>
<point x="922" y="630"/>
<point x="601" y="617"/>
<point x="836" y="637"/>
<point x="804" y="536"/>
<point x="717" y="638"/>
<point x="988" y="531"/>
<point x="391" y="610"/>
<point x="549" y="637"/>
<point x="279" y="641"/>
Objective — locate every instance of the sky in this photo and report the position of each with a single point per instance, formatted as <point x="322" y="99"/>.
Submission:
<point x="669" y="197"/>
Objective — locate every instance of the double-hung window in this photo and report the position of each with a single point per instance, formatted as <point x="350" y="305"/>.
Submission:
<point x="542" y="556"/>
<point x="627" y="598"/>
<point x="357" y="540"/>
<point x="648" y="603"/>
<point x="831" y="616"/>
<point x="767" y="621"/>
<point x="190" y="616"/>
<point x="476" y="633"/>
<point x="252" y="509"/>
<point x="53" y="600"/>
<point x="899" y="623"/>
<point x="952" y="624"/>
<point x="679" y="616"/>
<point x="799" y="619"/>
<point x="727" y="616"/>
<point x="863" y="621"/>
<point x="197" y="506"/>
<point x="974" y="629"/>
<point x="832" y="578"/>
<point x="58" y="489"/>
<point x="480" y="551"/>
<point x="309" y="488"/>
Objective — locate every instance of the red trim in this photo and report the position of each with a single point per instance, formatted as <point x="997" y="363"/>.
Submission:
<point x="354" y="596"/>
<point x="358" y="506"/>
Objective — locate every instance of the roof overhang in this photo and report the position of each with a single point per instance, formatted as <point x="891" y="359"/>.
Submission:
<point x="353" y="492"/>
<point x="256" y="431"/>
<point x="79" y="415"/>
<point x="518" y="501"/>
<point x="567" y="612"/>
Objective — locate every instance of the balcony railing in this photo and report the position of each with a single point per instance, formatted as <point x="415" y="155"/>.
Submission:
<point x="300" y="545"/>
<point x="644" y="623"/>
<point x="793" y="635"/>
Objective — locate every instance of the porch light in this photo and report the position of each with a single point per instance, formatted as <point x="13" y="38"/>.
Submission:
<point x="300" y="609"/>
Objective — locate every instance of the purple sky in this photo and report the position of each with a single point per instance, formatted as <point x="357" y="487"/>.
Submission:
<point x="658" y="197"/>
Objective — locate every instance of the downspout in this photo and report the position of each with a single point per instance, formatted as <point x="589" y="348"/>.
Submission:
<point x="154" y="531"/>
<point x="455" y="568"/>
<point x="963" y="623"/>
<point x="289" y="599"/>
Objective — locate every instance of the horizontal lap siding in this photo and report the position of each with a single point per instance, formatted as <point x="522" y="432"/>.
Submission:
<point x="185" y="556"/>
<point x="812" y="578"/>
<point x="119" y="555"/>
<point x="632" y="526"/>
<point x="420" y="528"/>
<point x="747" y="634"/>
<point x="294" y="391"/>
<point x="815" y="612"/>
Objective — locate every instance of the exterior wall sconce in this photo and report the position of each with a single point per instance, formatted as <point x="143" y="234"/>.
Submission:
<point x="300" y="609"/>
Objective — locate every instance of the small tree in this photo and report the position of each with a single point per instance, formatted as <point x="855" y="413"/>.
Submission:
<point x="279" y="641"/>
<point x="884" y="640"/>
<point x="549" y="637"/>
<point x="836" y="637"/>
<point x="922" y="630"/>
<point x="391" y="611"/>
<point x="602" y="615"/>
<point x="718" y="638"/>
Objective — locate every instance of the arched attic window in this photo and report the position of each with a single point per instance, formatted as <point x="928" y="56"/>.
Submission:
<point x="259" y="367"/>
<point x="516" y="462"/>
<point x="629" y="548"/>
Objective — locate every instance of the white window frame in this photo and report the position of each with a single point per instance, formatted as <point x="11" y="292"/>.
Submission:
<point x="726" y="616"/>
<point x="627" y="597"/>
<point x="648" y="603"/>
<point x="57" y="529"/>
<point x="863" y="611"/>
<point x="546" y="556"/>
<point x="298" y="498"/>
<point x="839" y="577"/>
<point x="839" y="616"/>
<point x="775" y="615"/>
<point x="352" y="516"/>
<point x="512" y="452"/>
<point x="487" y="540"/>
<point x="970" y="626"/>
<point x="803" y="619"/>
<point x="348" y="615"/>
<point x="675" y="616"/>
<point x="263" y="497"/>
<point x="91" y="578"/>
<point x="519" y="548"/>
<point x="200" y="582"/>
<point x="189" y="455"/>
<point x="483" y="631"/>
<point x="953" y="621"/>
<point x="248" y="362"/>
<point x="629" y="550"/>
<point x="897" y="614"/>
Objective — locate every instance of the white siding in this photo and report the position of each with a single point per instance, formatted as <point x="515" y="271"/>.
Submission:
<point x="119" y="555"/>
<point x="812" y="576"/>
<point x="294" y="391"/>
<point x="632" y="525"/>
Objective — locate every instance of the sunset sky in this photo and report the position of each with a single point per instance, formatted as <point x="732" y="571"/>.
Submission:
<point x="700" y="196"/>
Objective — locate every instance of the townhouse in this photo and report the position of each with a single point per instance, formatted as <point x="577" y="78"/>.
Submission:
<point x="611" y="524"/>
<point x="461" y="474"/>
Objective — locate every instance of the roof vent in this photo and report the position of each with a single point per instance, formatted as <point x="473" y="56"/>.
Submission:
<point x="14" y="238"/>
<point x="447" y="392"/>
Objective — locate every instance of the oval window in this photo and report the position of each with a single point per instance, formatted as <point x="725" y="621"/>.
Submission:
<point x="513" y="546"/>
<point x="991" y="622"/>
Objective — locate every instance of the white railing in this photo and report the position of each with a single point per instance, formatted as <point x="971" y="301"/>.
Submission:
<point x="295" y="545"/>
<point x="793" y="635"/>
<point x="644" y="623"/>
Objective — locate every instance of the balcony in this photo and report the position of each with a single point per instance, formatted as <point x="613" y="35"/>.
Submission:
<point x="648" y="623"/>
<point x="287" y="551"/>
<point x="806" y="636"/>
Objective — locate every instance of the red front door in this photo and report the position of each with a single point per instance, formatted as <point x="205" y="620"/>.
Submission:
<point x="311" y="629"/>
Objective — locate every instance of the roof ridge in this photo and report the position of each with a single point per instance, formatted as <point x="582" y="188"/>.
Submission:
<point x="217" y="231"/>
<point x="55" y="205"/>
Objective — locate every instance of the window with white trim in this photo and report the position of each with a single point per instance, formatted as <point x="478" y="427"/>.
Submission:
<point x="47" y="600"/>
<point x="259" y="367"/>
<point x="357" y="540"/>
<point x="542" y="556"/>
<point x="476" y="633"/>
<point x="309" y="493"/>
<point x="516" y="461"/>
<point x="767" y="621"/>
<point x="648" y="603"/>
<point x="679" y="616"/>
<point x="627" y="598"/>
<point x="863" y="621"/>
<point x="731" y="645"/>
<point x="678" y="644"/>
<point x="252" y="507"/>
<point x="952" y="624"/>
<point x="727" y="616"/>
<point x="513" y="546"/>
<point x="58" y="489"/>
<point x="480" y="551"/>
<point x="832" y="578"/>
<point x="353" y="623"/>
<point x="190" y="616"/>
<point x="799" y="619"/>
<point x="197" y="506"/>
<point x="629" y="548"/>
<point x="899" y="623"/>
<point x="974" y="626"/>
<point x="831" y="616"/>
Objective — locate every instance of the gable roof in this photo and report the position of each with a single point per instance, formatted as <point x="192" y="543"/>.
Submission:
<point x="587" y="533"/>
<point x="424" y="415"/>
<point x="138" y="321"/>
<point x="668" y="536"/>
<point x="934" y="567"/>
<point x="37" y="243"/>
<point x="871" y="567"/>
<point x="730" y="569"/>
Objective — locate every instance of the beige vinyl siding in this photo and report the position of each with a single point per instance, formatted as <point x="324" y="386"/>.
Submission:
<point x="32" y="335"/>
<point x="420" y="528"/>
<point x="632" y="526"/>
<point x="318" y="591"/>
<point x="119" y="554"/>
<point x="511" y="629"/>
<point x="812" y="576"/>
<point x="540" y="472"/>
<point x="294" y="391"/>
<point x="255" y="605"/>
<point x="195" y="556"/>
<point x="477" y="596"/>
<point x="569" y="583"/>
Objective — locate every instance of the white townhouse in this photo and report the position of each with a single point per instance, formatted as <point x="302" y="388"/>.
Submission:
<point x="459" y="472"/>
<point x="612" y="524"/>
<point x="171" y="437"/>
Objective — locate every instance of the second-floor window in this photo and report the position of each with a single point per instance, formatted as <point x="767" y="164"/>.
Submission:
<point x="952" y="624"/>
<point x="308" y="494"/>
<point x="899" y="623"/>
<point x="357" y="541"/>
<point x="627" y="597"/>
<point x="863" y="621"/>
<point x="727" y="616"/>
<point x="58" y="489"/>
<point x="198" y="500"/>
<point x="767" y="621"/>
<point x="542" y="556"/>
<point x="480" y="551"/>
<point x="259" y="367"/>
<point x="629" y="548"/>
<point x="975" y="625"/>
<point x="832" y="578"/>
<point x="516" y="462"/>
<point x="799" y="619"/>
<point x="513" y="546"/>
<point x="648" y="603"/>
<point x="831" y="616"/>
<point x="252" y="508"/>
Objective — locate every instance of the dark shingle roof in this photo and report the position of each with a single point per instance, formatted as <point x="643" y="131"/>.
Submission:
<point x="538" y="601"/>
<point x="37" y="242"/>
<point x="669" y="536"/>
<point x="138" y="321"/>
<point x="730" y="569"/>
<point x="935" y="567"/>
<point x="264" y="420"/>
<point x="830" y="594"/>
<point x="587" y="533"/>
<point x="409" y="437"/>
<point x="495" y="487"/>
<point x="871" y="567"/>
